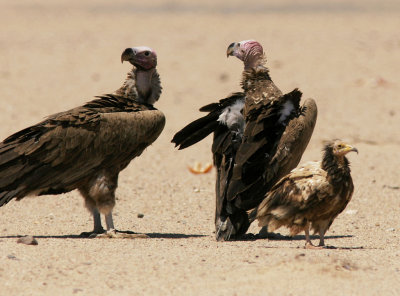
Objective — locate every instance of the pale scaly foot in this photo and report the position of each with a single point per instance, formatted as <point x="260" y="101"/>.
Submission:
<point x="310" y="246"/>
<point x="113" y="233"/>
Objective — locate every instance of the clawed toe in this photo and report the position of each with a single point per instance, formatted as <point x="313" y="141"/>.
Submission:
<point x="92" y="234"/>
<point x="312" y="247"/>
<point x="113" y="233"/>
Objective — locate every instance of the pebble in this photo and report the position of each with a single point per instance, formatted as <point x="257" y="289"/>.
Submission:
<point x="351" y="212"/>
<point x="298" y="256"/>
<point x="391" y="187"/>
<point x="27" y="240"/>
<point x="140" y="215"/>
<point x="12" y="257"/>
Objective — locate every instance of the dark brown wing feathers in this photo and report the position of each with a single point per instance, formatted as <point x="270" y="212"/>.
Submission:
<point x="260" y="141"/>
<point x="58" y="153"/>
<point x="196" y="131"/>
<point x="202" y="127"/>
<point x="293" y="143"/>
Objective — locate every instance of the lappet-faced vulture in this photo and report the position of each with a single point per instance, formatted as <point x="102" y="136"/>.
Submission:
<point x="85" y="148"/>
<point x="313" y="194"/>
<point x="251" y="152"/>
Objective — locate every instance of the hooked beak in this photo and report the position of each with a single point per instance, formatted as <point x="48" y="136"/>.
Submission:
<point x="231" y="49"/>
<point x="350" y="148"/>
<point x="127" y="55"/>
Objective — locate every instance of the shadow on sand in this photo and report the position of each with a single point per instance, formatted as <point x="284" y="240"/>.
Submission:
<point x="78" y="236"/>
<point x="280" y="237"/>
<point x="247" y="237"/>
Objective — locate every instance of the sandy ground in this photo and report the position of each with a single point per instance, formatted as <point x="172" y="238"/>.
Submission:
<point x="55" y="55"/>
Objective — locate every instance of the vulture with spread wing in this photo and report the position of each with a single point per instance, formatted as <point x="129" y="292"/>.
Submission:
<point x="252" y="148"/>
<point x="85" y="148"/>
<point x="312" y="195"/>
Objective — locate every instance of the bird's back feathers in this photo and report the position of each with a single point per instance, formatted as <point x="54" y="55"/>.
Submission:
<point x="307" y="194"/>
<point x="57" y="154"/>
<point x="260" y="141"/>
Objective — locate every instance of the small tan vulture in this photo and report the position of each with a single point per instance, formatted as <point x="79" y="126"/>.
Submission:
<point x="251" y="151"/>
<point x="85" y="148"/>
<point x="312" y="195"/>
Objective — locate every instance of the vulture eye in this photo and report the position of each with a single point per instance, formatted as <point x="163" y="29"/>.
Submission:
<point x="147" y="53"/>
<point x="340" y="146"/>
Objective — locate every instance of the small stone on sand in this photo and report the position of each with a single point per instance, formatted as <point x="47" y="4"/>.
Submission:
<point x="27" y="240"/>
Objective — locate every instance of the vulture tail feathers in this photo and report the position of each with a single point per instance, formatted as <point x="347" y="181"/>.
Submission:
<point x="210" y="107"/>
<point x="253" y="215"/>
<point x="223" y="103"/>
<point x="196" y="131"/>
<point x="232" y="227"/>
<point x="6" y="196"/>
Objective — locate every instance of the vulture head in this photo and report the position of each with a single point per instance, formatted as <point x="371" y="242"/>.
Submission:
<point x="142" y="57"/>
<point x="334" y="154"/>
<point x="248" y="51"/>
<point x="340" y="148"/>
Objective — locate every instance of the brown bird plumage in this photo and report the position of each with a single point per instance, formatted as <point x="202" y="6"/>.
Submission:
<point x="312" y="195"/>
<point x="251" y="151"/>
<point x="85" y="148"/>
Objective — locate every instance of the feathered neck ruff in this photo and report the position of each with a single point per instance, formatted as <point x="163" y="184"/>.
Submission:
<point x="252" y="76"/>
<point x="142" y="86"/>
<point x="337" y="166"/>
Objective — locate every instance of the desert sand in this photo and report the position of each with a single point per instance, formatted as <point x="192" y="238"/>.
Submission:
<point x="55" y="55"/>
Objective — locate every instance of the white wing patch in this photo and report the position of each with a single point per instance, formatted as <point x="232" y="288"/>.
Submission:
<point x="232" y="116"/>
<point x="286" y="111"/>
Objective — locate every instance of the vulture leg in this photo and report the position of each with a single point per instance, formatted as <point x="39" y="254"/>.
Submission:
<point x="111" y="231"/>
<point x="97" y="228"/>
<point x="321" y="236"/>
<point x="114" y="233"/>
<point x="309" y="244"/>
<point x="91" y="206"/>
<point x="109" y="222"/>
<point x="99" y="195"/>
<point x="263" y="233"/>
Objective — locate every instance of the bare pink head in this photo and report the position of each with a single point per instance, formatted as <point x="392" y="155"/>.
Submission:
<point x="248" y="51"/>
<point x="142" y="57"/>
